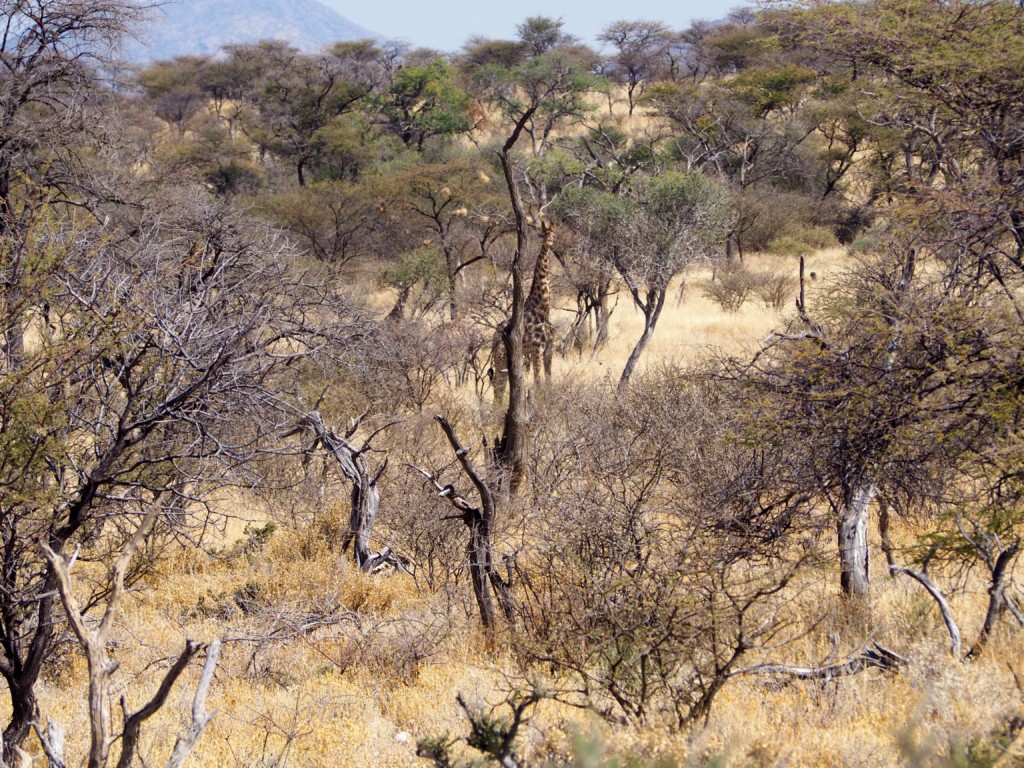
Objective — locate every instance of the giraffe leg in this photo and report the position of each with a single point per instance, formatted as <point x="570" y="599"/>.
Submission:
<point x="532" y="359"/>
<point x="547" y="347"/>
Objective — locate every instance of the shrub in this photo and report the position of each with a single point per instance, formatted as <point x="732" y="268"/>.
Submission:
<point x="803" y="241"/>
<point x="731" y="288"/>
<point x="774" y="289"/>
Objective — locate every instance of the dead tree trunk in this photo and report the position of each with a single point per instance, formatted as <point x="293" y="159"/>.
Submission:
<point x="94" y="643"/>
<point x="480" y="521"/>
<point x="365" y="496"/>
<point x="876" y="657"/>
<point x="955" y="642"/>
<point x="997" y="600"/>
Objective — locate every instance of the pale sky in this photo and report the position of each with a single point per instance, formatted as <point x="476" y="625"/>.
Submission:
<point x="447" y="25"/>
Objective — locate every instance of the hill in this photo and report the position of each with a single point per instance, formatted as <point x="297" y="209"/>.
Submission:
<point x="203" y="26"/>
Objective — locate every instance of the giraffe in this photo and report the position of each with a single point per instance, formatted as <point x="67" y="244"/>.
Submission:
<point x="538" y="333"/>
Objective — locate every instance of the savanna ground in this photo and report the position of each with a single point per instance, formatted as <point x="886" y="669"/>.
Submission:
<point x="261" y="245"/>
<point x="326" y="666"/>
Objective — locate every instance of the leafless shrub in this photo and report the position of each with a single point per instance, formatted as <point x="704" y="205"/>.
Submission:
<point x="661" y="555"/>
<point x="404" y="364"/>
<point x="775" y="289"/>
<point x="731" y="288"/>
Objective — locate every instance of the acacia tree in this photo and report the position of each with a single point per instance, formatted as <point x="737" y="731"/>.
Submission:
<point x="547" y="80"/>
<point x="649" y="234"/>
<point x="300" y="99"/>
<point x="423" y="101"/>
<point x="916" y="356"/>
<point x="888" y="389"/>
<point x="639" y="56"/>
<point x="173" y="88"/>
<point x="457" y="209"/>
<point x="951" y="93"/>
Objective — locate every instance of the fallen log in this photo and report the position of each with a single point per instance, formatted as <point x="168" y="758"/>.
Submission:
<point x="875" y="657"/>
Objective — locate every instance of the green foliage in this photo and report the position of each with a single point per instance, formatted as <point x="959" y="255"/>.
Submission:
<point x="424" y="101"/>
<point x="734" y="48"/>
<point x="222" y="162"/>
<point x="774" y="89"/>
<point x="652" y="230"/>
<point x="491" y="734"/>
<point x="438" y="749"/>
<point x="258" y="535"/>
<point x="347" y="146"/>
<point x="547" y="85"/>
<point x="163" y="77"/>
<point x="540" y="34"/>
<point x="422" y="265"/>
<point x="335" y="221"/>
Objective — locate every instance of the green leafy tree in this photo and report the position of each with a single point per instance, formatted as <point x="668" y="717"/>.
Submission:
<point x="424" y="101"/>
<point x="173" y="88"/>
<point x="335" y="221"/>
<point x="299" y="102"/>
<point x="944" y="83"/>
<point x="548" y="86"/>
<point x="649" y="234"/>
<point x="455" y="208"/>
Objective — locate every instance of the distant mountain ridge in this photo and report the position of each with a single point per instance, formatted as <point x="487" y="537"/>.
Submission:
<point x="203" y="26"/>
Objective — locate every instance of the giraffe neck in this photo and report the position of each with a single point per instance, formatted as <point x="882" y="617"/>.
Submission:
<point x="538" y="302"/>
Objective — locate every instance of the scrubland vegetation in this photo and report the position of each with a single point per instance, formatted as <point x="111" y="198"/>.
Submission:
<point x="531" y="406"/>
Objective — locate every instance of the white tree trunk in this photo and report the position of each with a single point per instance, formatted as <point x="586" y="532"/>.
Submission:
<point x="853" y="540"/>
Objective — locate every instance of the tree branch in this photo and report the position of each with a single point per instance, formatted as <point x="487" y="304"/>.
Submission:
<point x="955" y="642"/>
<point x="133" y="722"/>
<point x="185" y="744"/>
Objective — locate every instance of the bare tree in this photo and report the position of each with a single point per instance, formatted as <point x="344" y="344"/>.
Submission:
<point x="365" y="496"/>
<point x="481" y="522"/>
<point x="661" y="557"/>
<point x="53" y="53"/>
<point x="94" y="643"/>
<point x="155" y="376"/>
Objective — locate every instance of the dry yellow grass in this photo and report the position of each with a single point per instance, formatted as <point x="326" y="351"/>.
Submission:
<point x="293" y="701"/>
<point x="363" y="690"/>
<point x="693" y="326"/>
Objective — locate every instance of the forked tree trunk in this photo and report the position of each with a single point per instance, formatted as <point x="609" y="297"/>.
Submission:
<point x="365" y="496"/>
<point x="652" y="311"/>
<point x="480" y="521"/>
